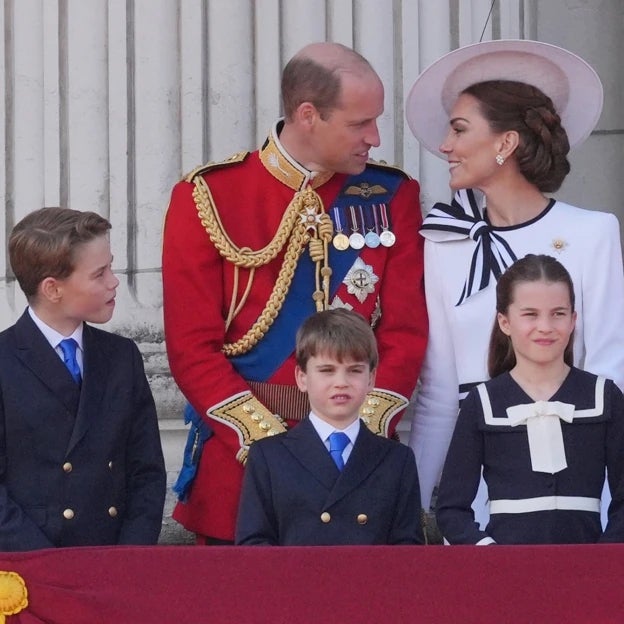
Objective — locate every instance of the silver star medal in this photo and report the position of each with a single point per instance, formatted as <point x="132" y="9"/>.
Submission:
<point x="360" y="280"/>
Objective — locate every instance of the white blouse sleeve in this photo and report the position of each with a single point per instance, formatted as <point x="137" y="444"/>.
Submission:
<point x="435" y="405"/>
<point x="603" y="303"/>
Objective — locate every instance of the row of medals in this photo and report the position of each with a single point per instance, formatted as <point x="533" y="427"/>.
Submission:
<point x="356" y="240"/>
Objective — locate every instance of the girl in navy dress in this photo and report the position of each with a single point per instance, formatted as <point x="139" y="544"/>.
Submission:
<point x="542" y="431"/>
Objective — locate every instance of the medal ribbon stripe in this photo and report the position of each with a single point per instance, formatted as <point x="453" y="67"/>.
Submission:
<point x="341" y="240"/>
<point x="386" y="237"/>
<point x="356" y="239"/>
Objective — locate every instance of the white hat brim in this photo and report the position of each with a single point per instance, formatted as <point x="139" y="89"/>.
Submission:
<point x="570" y="82"/>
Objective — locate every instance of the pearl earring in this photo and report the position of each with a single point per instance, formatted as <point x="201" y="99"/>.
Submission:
<point x="499" y="159"/>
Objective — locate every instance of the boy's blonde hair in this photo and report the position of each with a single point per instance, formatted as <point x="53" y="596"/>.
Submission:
<point x="340" y="333"/>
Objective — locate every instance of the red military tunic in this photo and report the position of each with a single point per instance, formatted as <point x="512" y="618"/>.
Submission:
<point x="250" y="194"/>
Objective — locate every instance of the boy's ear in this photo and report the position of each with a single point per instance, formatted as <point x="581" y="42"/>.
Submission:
<point x="300" y="379"/>
<point x="50" y="289"/>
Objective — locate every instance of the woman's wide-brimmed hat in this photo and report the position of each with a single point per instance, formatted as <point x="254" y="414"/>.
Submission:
<point x="570" y="82"/>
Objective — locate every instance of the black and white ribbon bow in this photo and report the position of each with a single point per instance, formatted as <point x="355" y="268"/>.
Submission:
<point x="463" y="219"/>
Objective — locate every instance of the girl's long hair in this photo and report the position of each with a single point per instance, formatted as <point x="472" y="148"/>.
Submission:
<point x="531" y="268"/>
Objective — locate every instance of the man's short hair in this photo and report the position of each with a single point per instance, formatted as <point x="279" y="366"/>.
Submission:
<point x="44" y="242"/>
<point x="305" y="79"/>
<point x="339" y="333"/>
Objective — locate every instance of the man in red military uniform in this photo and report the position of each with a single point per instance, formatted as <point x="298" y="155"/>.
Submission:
<point x="255" y="244"/>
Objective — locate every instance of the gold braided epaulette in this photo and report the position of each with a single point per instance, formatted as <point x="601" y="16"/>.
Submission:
<point x="378" y="409"/>
<point x="231" y="160"/>
<point x="249" y="418"/>
<point x="382" y="164"/>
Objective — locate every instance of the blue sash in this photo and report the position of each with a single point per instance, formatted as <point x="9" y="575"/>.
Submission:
<point x="261" y="362"/>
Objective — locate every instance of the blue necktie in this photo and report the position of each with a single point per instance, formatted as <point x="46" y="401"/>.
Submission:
<point x="69" y="346"/>
<point x="337" y="444"/>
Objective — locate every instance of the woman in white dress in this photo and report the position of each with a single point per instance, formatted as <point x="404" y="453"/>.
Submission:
<point x="505" y="114"/>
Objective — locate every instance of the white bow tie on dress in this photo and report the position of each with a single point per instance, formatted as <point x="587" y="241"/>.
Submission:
<point x="543" y="422"/>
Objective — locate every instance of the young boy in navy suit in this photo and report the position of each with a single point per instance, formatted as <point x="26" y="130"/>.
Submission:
<point x="330" y="480"/>
<point x="80" y="456"/>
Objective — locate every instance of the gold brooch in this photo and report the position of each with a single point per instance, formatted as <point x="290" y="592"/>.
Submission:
<point x="559" y="245"/>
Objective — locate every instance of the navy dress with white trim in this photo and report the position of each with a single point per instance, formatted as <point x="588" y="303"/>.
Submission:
<point x="528" y="505"/>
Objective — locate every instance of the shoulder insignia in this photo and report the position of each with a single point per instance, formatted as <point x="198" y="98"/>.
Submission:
<point x="382" y="164"/>
<point x="231" y="160"/>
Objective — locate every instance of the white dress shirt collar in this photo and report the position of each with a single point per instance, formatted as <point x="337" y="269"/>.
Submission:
<point x="51" y="335"/>
<point x="324" y="430"/>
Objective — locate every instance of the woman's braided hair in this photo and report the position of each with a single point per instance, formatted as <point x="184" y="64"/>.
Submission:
<point x="543" y="147"/>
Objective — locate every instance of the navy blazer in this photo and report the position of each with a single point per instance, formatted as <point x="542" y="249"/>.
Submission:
<point x="78" y="466"/>
<point x="293" y="494"/>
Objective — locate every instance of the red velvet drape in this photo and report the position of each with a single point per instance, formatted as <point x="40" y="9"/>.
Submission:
<point x="179" y="585"/>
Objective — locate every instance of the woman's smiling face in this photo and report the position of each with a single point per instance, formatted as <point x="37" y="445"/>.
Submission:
<point x="470" y="146"/>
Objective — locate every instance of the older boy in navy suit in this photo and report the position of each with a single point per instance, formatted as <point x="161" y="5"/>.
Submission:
<point x="80" y="455"/>
<point x="330" y="480"/>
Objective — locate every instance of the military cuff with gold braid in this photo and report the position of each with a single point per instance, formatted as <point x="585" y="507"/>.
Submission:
<point x="249" y="418"/>
<point x="378" y="409"/>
